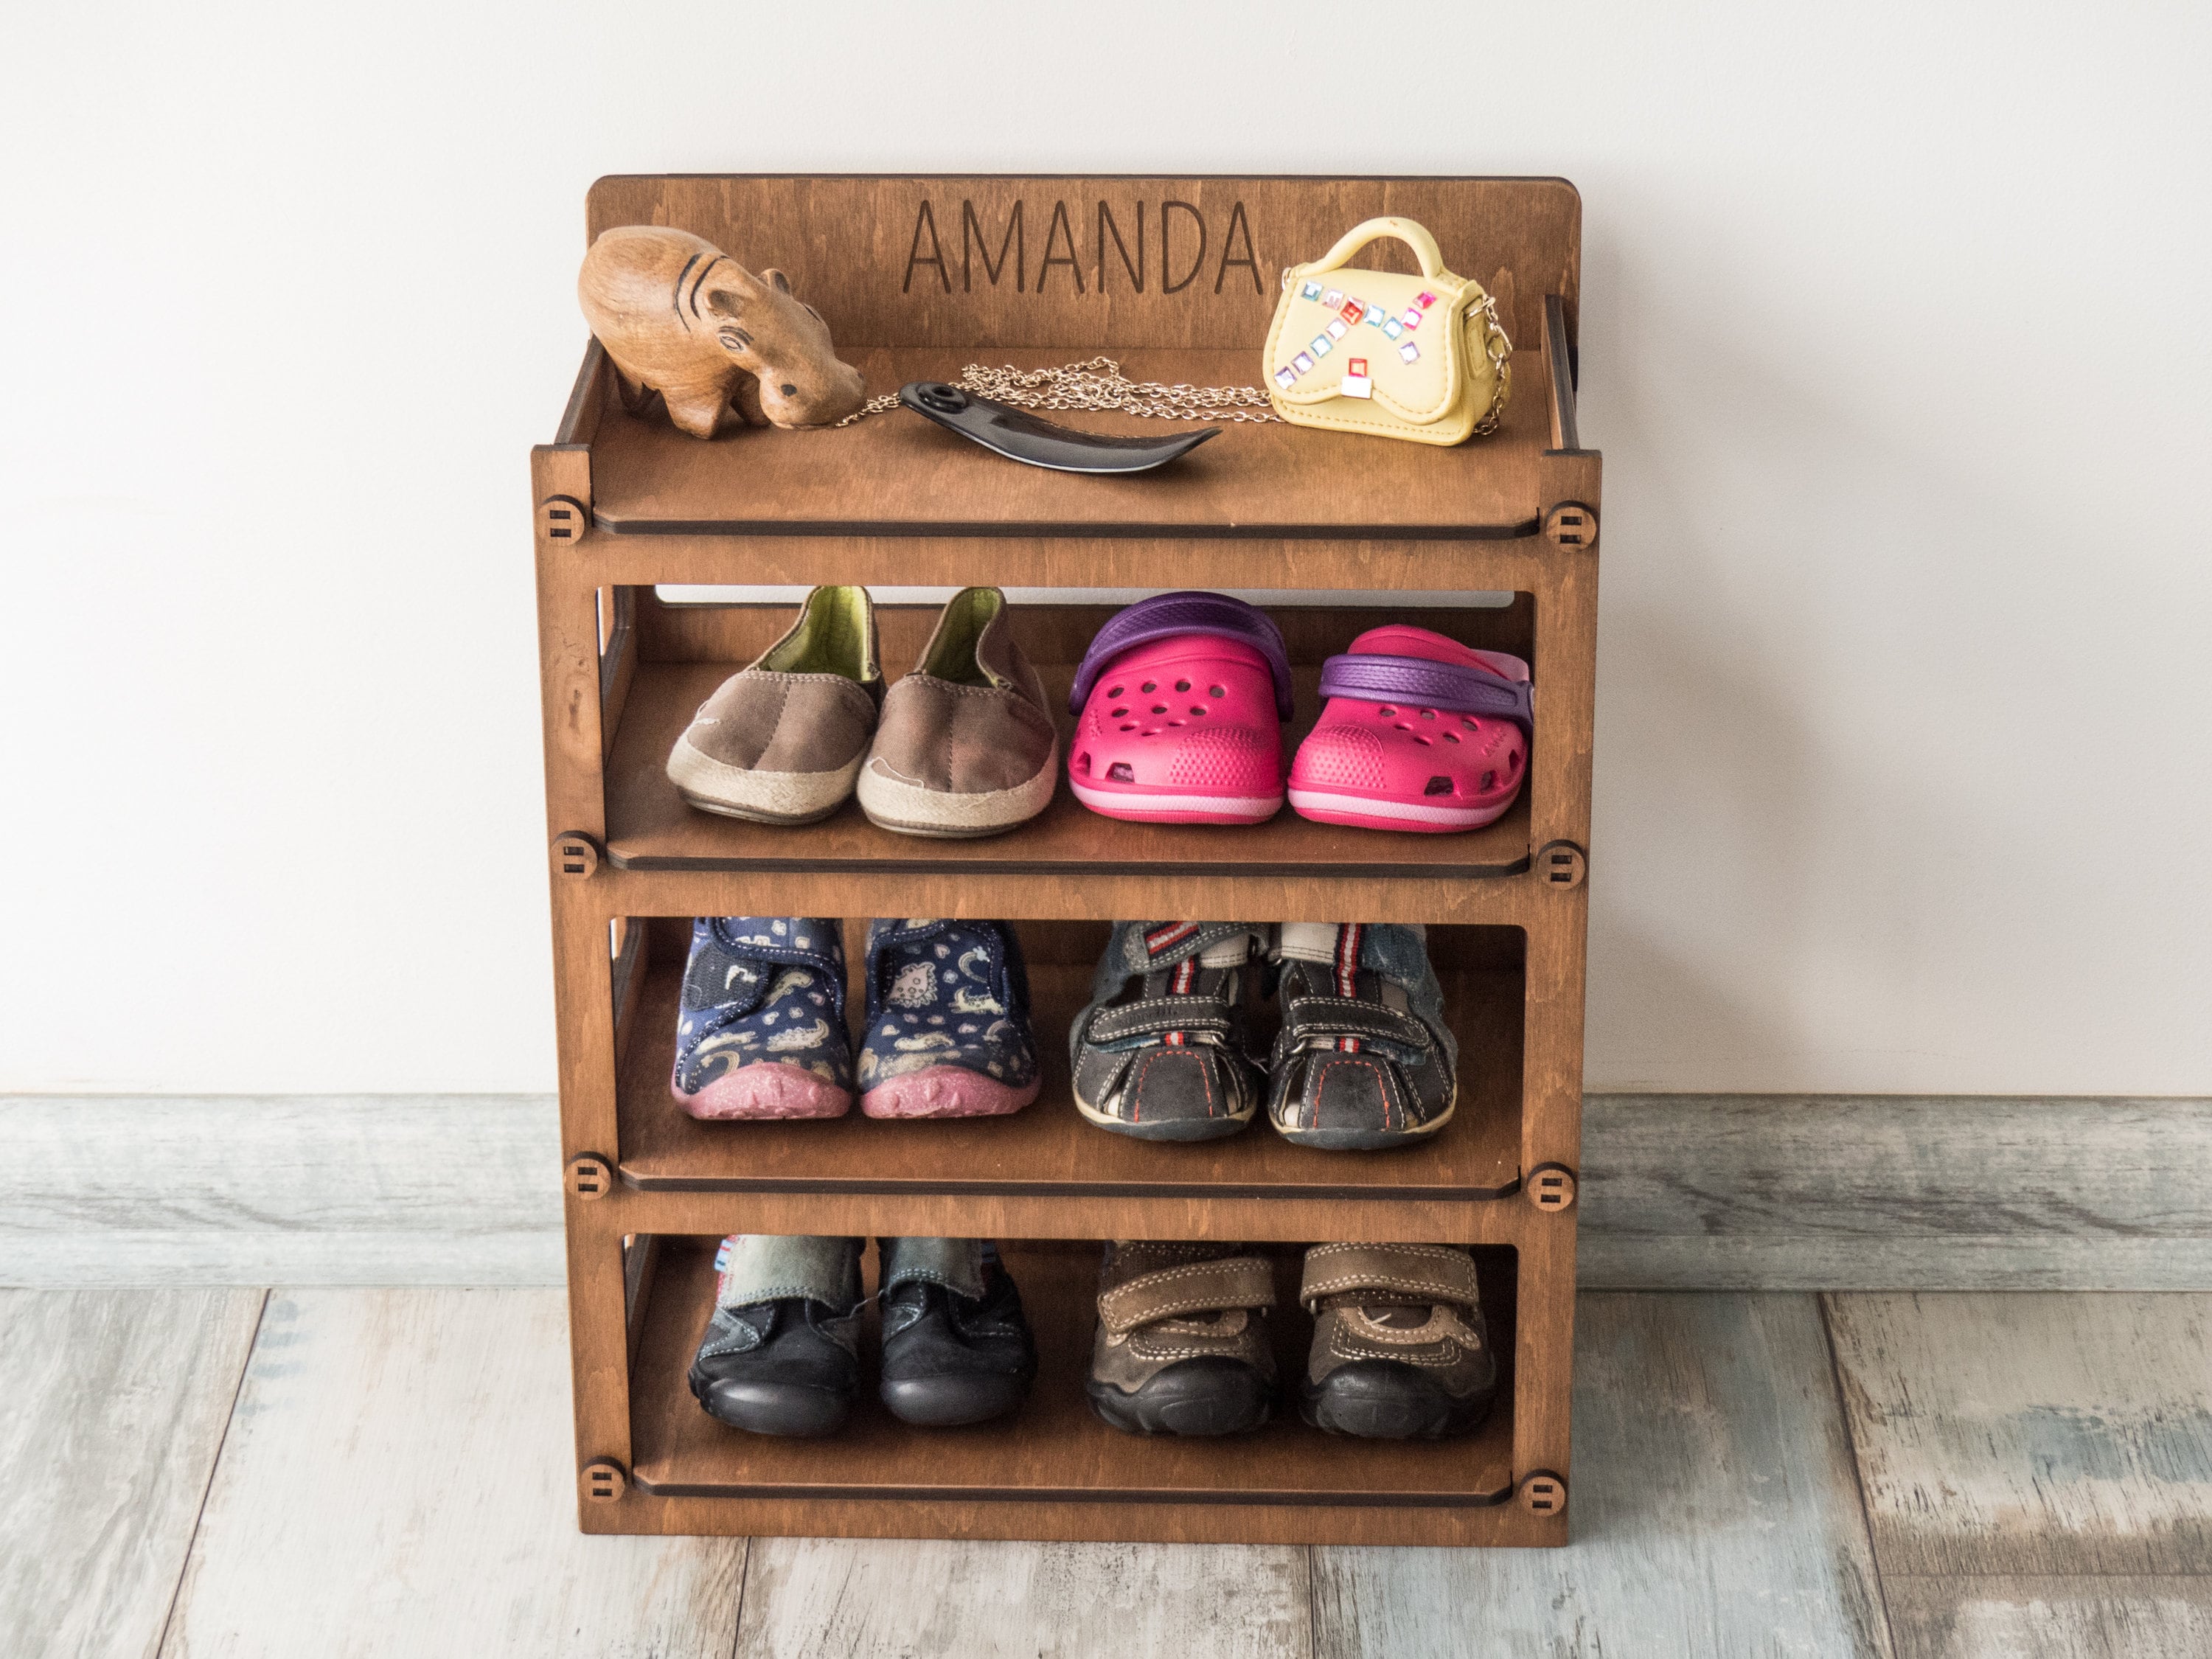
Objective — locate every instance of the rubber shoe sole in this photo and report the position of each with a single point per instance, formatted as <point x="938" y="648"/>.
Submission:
<point x="910" y="809"/>
<point x="1192" y="1397"/>
<point x="1384" y="1400"/>
<point x="1173" y="1128"/>
<point x="789" y="1409"/>
<point x="948" y="1403"/>
<point x="1367" y="1140"/>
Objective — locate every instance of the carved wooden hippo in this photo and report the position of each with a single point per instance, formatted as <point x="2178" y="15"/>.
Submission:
<point x="681" y="317"/>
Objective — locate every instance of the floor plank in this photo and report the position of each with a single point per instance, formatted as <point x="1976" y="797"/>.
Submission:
<point x="2031" y="1434"/>
<point x="1680" y="1192"/>
<point x="1714" y="1507"/>
<point x="1895" y="1191"/>
<point x="112" y="1405"/>
<point x="398" y="1480"/>
<point x="811" y="1598"/>
<point x="2113" y="1617"/>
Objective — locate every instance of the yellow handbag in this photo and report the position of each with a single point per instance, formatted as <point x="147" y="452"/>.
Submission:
<point x="1420" y="358"/>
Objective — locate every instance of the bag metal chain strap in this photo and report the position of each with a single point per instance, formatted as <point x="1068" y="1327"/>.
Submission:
<point x="1098" y="383"/>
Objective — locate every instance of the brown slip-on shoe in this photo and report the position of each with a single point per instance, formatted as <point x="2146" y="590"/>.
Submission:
<point x="1400" y="1349"/>
<point x="781" y="740"/>
<point x="965" y="746"/>
<point x="1182" y="1338"/>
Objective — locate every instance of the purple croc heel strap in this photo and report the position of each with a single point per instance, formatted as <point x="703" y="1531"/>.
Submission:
<point x="1165" y="615"/>
<point x="1427" y="684"/>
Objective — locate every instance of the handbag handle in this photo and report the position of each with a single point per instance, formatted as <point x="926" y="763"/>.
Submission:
<point x="1412" y="234"/>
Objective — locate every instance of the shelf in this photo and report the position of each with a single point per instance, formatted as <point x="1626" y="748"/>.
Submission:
<point x="1054" y="1449"/>
<point x="899" y="474"/>
<point x="1047" y="1150"/>
<point x="687" y="650"/>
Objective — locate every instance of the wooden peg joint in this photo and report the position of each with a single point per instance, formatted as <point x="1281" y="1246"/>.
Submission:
<point x="1571" y="525"/>
<point x="1561" y="864"/>
<point x="575" y="854"/>
<point x="604" y="1481"/>
<point x="563" y="519"/>
<point x="590" y="1176"/>
<point x="1543" y="1493"/>
<point x="1551" y="1187"/>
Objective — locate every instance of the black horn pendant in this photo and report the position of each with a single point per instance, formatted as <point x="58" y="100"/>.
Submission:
<point x="1021" y="436"/>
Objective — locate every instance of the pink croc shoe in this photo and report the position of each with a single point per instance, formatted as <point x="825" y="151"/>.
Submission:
<point x="1419" y="732"/>
<point x="1180" y="703"/>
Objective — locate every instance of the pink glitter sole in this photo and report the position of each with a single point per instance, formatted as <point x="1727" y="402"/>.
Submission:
<point x="769" y="1089"/>
<point x="946" y="1091"/>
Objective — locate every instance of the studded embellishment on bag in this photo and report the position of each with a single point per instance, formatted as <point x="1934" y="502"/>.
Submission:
<point x="1286" y="377"/>
<point x="1393" y="327"/>
<point x="1321" y="345"/>
<point x="1408" y="351"/>
<point x="1352" y="311"/>
<point x="1424" y="300"/>
<point x="1337" y="328"/>
<point x="1309" y="290"/>
<point x="1303" y="363"/>
<point x="1413" y="317"/>
<point x="1355" y="383"/>
<point x="1333" y="298"/>
<point x="1372" y="315"/>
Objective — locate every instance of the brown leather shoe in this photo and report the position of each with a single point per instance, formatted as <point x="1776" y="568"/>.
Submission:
<point x="1182" y="1339"/>
<point x="1399" y="1352"/>
<point x="781" y="740"/>
<point x="965" y="746"/>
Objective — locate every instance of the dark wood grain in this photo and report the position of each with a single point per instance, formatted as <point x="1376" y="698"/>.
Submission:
<point x="1054" y="1449"/>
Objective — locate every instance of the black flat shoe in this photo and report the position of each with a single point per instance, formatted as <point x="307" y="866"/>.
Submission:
<point x="950" y="1359"/>
<point x="790" y="1367"/>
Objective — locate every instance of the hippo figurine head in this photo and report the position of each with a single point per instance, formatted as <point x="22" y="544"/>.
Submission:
<point x="680" y="316"/>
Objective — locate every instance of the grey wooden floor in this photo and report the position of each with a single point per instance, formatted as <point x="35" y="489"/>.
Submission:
<point x="335" y="1472"/>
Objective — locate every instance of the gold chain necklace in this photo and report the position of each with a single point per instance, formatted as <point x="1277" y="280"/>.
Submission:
<point x="1098" y="383"/>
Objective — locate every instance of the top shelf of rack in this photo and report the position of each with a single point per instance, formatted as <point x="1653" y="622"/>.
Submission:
<point x="898" y="474"/>
<point x="1174" y="278"/>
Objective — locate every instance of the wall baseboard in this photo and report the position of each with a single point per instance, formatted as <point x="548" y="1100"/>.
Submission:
<point x="1678" y="1192"/>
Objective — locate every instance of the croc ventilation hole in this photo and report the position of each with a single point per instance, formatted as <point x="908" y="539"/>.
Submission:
<point x="1384" y="709"/>
<point x="1083" y="763"/>
<point x="1183" y="685"/>
<point x="1216" y="692"/>
<point x="1198" y="708"/>
<point x="1114" y="693"/>
<point x="1489" y="781"/>
<point x="1150" y="685"/>
<point x="1438" y="786"/>
<point x="1451" y="736"/>
<point x="1118" y="772"/>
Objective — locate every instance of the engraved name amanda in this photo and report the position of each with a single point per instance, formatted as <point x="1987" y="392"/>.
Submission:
<point x="1170" y="245"/>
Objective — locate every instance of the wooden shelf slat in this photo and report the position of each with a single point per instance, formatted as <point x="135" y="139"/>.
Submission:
<point x="651" y="827"/>
<point x="1054" y="1448"/>
<point x="898" y="474"/>
<point x="1048" y="1151"/>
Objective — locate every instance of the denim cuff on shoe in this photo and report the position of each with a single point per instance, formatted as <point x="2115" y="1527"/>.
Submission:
<point x="759" y="1267"/>
<point x="955" y="1263"/>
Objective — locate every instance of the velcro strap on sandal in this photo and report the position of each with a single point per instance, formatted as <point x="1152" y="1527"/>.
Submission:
<point x="1155" y="1015"/>
<point x="1237" y="1281"/>
<point x="1434" y="1271"/>
<point x="1345" y="1017"/>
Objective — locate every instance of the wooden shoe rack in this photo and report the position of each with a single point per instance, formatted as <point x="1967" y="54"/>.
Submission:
<point x="1176" y="278"/>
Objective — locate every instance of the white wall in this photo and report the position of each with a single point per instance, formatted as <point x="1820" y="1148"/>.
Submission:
<point x="1893" y="337"/>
